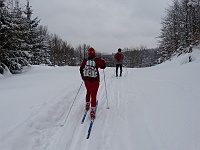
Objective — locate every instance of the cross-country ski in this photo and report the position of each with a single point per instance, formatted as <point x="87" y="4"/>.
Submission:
<point x="91" y="123"/>
<point x="84" y="116"/>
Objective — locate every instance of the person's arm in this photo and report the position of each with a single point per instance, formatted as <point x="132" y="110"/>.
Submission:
<point x="81" y="69"/>
<point x="103" y="64"/>
<point x="115" y="56"/>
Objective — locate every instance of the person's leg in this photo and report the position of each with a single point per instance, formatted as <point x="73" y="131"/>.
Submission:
<point x="94" y="91"/>
<point x="88" y="95"/>
<point x="117" y="66"/>
<point x="120" y="69"/>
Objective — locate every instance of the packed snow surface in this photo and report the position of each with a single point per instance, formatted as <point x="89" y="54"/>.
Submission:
<point x="155" y="108"/>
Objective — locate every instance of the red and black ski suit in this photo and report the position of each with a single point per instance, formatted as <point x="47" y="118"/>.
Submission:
<point x="92" y="84"/>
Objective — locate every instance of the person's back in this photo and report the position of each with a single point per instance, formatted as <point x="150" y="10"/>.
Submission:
<point x="119" y="58"/>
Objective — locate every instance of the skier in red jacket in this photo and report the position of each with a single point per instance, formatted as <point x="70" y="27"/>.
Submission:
<point x="90" y="75"/>
<point x="119" y="61"/>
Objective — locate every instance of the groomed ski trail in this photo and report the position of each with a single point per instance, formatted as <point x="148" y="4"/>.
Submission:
<point x="150" y="108"/>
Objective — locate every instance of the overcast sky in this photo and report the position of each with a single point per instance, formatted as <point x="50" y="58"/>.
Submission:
<point x="105" y="25"/>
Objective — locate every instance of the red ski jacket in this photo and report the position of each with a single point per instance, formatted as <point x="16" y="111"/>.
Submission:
<point x="119" y="58"/>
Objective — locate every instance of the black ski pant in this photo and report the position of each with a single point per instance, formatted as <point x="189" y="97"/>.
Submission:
<point x="117" y="67"/>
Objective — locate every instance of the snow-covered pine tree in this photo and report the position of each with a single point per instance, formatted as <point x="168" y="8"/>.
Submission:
<point x="180" y="28"/>
<point x="10" y="37"/>
<point x="21" y="39"/>
<point x="37" y="40"/>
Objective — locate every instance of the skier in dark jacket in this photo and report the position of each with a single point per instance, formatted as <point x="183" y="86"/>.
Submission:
<point x="119" y="57"/>
<point x="90" y="74"/>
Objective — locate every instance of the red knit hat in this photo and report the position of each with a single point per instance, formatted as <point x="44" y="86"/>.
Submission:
<point x="91" y="52"/>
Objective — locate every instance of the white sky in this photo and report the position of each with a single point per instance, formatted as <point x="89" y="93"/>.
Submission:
<point x="105" y="25"/>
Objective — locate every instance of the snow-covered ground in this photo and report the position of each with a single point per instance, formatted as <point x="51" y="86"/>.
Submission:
<point x="156" y="108"/>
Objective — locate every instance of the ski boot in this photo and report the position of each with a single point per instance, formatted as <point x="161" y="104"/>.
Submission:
<point x="92" y="113"/>
<point x="87" y="106"/>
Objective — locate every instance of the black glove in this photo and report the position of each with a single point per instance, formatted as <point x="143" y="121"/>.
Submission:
<point x="83" y="78"/>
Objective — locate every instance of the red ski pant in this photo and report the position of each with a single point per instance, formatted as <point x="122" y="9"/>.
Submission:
<point x="92" y="89"/>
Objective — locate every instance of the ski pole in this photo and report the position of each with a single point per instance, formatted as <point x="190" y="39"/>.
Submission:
<point x="105" y="89"/>
<point x="72" y="105"/>
<point x="126" y="69"/>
